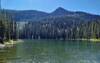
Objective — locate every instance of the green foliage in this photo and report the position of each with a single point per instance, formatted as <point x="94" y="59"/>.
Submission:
<point x="6" y="27"/>
<point x="61" y="28"/>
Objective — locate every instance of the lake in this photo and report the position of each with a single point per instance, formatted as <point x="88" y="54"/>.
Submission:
<point x="52" y="51"/>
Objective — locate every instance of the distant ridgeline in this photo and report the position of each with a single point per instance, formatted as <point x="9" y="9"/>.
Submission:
<point x="60" y="24"/>
<point x="7" y="27"/>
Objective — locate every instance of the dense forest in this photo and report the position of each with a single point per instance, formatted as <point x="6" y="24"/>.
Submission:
<point x="60" y="24"/>
<point x="61" y="28"/>
<point x="7" y="27"/>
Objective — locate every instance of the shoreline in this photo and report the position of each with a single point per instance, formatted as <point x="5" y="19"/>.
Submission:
<point x="92" y="40"/>
<point x="95" y="40"/>
<point x="13" y="42"/>
<point x="10" y="43"/>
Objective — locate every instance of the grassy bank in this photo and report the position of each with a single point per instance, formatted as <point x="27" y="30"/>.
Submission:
<point x="93" y="40"/>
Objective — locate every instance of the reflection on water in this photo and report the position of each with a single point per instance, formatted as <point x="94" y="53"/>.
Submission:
<point x="52" y="51"/>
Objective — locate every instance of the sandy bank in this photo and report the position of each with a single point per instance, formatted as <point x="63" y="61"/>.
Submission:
<point x="2" y="45"/>
<point x="10" y="43"/>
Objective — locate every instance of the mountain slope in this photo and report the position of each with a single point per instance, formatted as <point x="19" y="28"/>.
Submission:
<point x="26" y="15"/>
<point x="33" y="15"/>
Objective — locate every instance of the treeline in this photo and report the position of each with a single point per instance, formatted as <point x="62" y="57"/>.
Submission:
<point x="65" y="27"/>
<point x="7" y="27"/>
<point x="61" y="28"/>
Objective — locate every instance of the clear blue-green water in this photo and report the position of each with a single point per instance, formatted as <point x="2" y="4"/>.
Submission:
<point x="52" y="51"/>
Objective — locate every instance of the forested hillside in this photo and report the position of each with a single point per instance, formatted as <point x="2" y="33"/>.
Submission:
<point x="59" y="24"/>
<point x="62" y="28"/>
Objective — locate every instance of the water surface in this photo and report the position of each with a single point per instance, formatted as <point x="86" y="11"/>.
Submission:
<point x="52" y="51"/>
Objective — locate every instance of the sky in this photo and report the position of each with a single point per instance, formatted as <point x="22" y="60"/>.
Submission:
<point x="90" y="6"/>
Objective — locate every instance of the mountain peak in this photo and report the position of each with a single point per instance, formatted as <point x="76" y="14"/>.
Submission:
<point x="60" y="12"/>
<point x="60" y="9"/>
